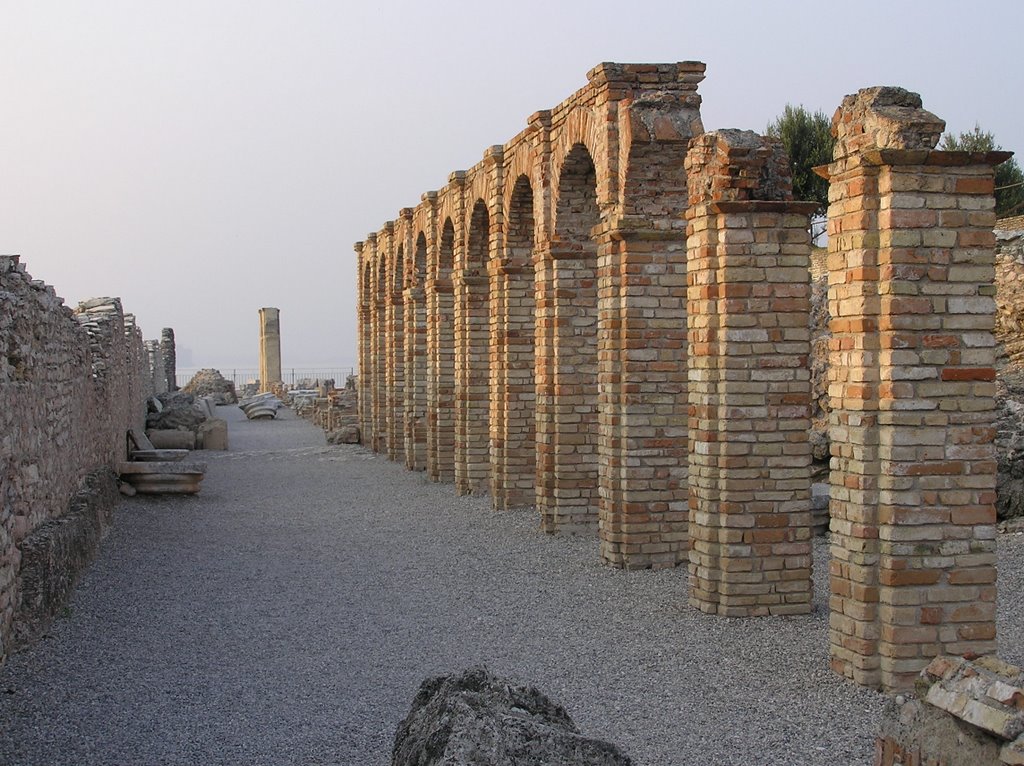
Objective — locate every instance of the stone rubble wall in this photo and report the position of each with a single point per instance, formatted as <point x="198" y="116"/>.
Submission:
<point x="963" y="713"/>
<point x="72" y="382"/>
<point x="1010" y="296"/>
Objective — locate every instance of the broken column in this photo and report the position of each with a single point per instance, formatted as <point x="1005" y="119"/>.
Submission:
<point x="270" y="348"/>
<point x="912" y="381"/>
<point x="155" y="360"/>
<point x="170" y="358"/>
<point x="749" y="389"/>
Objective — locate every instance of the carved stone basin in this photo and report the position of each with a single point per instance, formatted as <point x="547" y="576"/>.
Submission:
<point x="158" y="455"/>
<point x="163" y="477"/>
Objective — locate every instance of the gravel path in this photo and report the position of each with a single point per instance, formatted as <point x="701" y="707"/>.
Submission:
<point x="287" y="614"/>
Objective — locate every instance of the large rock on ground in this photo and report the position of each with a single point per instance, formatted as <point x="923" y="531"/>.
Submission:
<point x="477" y="719"/>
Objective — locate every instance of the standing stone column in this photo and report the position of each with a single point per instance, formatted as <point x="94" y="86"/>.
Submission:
<point x="270" y="348"/>
<point x="749" y="337"/>
<point x="912" y="382"/>
<point x="170" y="358"/>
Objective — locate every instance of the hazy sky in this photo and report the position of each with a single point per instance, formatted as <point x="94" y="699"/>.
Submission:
<point x="203" y="158"/>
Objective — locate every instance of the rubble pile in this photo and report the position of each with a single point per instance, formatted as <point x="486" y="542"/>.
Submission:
<point x="336" y="410"/>
<point x="209" y="382"/>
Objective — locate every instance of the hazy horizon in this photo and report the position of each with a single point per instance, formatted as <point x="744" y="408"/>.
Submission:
<point x="201" y="160"/>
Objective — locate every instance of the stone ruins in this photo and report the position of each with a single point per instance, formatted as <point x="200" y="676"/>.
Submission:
<point x="607" y="318"/>
<point x="72" y="384"/>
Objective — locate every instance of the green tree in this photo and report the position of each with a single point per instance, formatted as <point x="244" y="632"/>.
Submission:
<point x="1009" y="178"/>
<point x="808" y="141"/>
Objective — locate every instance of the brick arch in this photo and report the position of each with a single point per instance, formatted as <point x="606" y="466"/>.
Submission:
<point x="398" y="269"/>
<point x="366" y="334"/>
<point x="441" y="359"/>
<point x="567" y="400"/>
<point x="419" y="262"/>
<point x="472" y="350"/>
<point x="513" y="460"/>
<point x="446" y="251"/>
<point x="581" y="127"/>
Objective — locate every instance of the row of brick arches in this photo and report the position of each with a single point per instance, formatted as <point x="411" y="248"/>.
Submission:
<point x="607" y="319"/>
<point x="513" y="321"/>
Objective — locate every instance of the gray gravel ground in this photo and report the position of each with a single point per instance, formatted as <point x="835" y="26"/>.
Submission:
<point x="287" y="614"/>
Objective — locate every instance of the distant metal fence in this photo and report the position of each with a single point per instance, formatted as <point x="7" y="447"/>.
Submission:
<point x="293" y="375"/>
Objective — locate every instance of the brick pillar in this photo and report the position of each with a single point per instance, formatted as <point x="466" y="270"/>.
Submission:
<point x="472" y="356"/>
<point x="270" y="348"/>
<point x="513" y="463"/>
<point x="365" y="340"/>
<point x="748" y="318"/>
<point x="394" y="332"/>
<point x="416" y="378"/>
<point x="379" y="345"/>
<point x="498" y="363"/>
<point x="911" y="269"/>
<point x="642" y="278"/>
<point x="441" y="379"/>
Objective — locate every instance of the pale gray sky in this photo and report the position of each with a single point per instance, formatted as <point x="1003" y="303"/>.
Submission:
<point x="203" y="158"/>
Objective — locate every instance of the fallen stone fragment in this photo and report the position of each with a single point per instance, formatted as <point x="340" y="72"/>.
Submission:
<point x="344" y="435"/>
<point x="171" y="438"/>
<point x="213" y="434"/>
<point x="478" y="719"/>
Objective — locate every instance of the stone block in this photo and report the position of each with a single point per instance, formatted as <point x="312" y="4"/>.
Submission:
<point x="213" y="434"/>
<point x="170" y="438"/>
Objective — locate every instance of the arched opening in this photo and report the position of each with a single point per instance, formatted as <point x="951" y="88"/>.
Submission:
<point x="416" y="361"/>
<point x="568" y="425"/>
<point x="441" y="362"/>
<point x="396" y="359"/>
<point x="513" y="413"/>
<point x="472" y="341"/>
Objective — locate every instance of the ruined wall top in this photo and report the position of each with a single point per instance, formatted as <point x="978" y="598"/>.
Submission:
<point x="883" y="117"/>
<point x="737" y="165"/>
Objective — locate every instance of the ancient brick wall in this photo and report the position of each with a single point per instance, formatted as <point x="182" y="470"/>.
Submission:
<point x="558" y="363"/>
<point x="540" y="355"/>
<point x="71" y="384"/>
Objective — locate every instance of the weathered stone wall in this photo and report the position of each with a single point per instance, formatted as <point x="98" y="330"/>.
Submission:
<point x="1010" y="296"/>
<point x="71" y="384"/>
